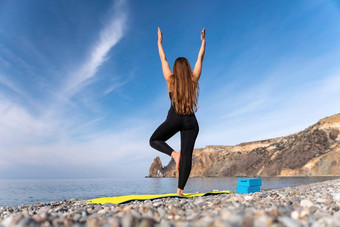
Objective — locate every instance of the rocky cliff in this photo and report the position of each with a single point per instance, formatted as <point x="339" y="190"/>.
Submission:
<point x="314" y="151"/>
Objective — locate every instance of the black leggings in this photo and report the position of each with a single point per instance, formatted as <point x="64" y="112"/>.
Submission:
<point x="188" y="127"/>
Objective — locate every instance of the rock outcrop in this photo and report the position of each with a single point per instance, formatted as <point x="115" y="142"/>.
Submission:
<point x="314" y="151"/>
<point x="156" y="169"/>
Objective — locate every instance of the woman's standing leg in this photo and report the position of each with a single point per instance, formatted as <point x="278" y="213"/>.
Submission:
<point x="188" y="138"/>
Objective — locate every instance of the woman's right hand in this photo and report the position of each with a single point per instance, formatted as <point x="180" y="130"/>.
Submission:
<point x="203" y="35"/>
<point x="160" y="35"/>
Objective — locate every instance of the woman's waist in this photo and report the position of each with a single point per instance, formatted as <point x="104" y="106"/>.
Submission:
<point x="173" y="110"/>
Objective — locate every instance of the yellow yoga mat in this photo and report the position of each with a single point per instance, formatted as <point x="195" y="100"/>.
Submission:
<point x="128" y="198"/>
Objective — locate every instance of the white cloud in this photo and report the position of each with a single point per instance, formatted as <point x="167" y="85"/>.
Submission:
<point x="110" y="35"/>
<point x="16" y="124"/>
<point x="9" y="84"/>
<point x="55" y="134"/>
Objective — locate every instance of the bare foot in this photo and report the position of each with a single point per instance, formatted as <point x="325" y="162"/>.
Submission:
<point x="179" y="192"/>
<point x="177" y="157"/>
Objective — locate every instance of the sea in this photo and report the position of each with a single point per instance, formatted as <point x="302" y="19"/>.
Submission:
<point x="15" y="192"/>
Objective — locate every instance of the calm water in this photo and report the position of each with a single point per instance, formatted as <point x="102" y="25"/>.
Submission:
<point x="15" y="192"/>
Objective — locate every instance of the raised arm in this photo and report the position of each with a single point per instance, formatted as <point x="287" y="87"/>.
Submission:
<point x="165" y="65"/>
<point x="198" y="66"/>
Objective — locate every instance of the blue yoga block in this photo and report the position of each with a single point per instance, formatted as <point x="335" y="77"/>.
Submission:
<point x="249" y="182"/>
<point x="244" y="189"/>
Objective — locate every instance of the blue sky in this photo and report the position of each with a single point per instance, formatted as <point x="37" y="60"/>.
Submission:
<point x="82" y="90"/>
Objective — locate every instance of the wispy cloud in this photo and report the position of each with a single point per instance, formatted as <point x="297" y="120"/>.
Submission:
<point x="55" y="132"/>
<point x="82" y="75"/>
<point x="119" y="83"/>
<point x="20" y="126"/>
<point x="10" y="85"/>
<point x="109" y="37"/>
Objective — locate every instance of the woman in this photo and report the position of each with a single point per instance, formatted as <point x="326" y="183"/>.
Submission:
<point x="183" y="91"/>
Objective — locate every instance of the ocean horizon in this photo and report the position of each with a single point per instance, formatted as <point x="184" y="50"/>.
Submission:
<point x="15" y="192"/>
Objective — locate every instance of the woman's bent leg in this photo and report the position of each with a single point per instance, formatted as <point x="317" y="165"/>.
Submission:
<point x="166" y="130"/>
<point x="188" y="138"/>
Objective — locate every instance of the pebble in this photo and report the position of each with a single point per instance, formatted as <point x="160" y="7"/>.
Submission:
<point x="306" y="203"/>
<point x="248" y="197"/>
<point x="289" y="222"/>
<point x="320" y="200"/>
<point x="315" y="205"/>
<point x="127" y="208"/>
<point x="295" y="215"/>
<point x="336" y="197"/>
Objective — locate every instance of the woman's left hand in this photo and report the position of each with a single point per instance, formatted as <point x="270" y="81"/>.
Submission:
<point x="160" y="35"/>
<point x="203" y="35"/>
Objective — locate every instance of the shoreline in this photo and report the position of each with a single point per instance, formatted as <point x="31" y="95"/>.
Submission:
<point x="300" y="205"/>
<point x="310" y="176"/>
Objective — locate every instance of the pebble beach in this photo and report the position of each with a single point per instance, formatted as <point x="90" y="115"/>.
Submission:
<point x="316" y="204"/>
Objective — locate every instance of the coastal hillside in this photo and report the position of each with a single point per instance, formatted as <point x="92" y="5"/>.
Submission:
<point x="313" y="151"/>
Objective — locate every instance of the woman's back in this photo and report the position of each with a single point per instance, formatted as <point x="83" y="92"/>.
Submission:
<point x="184" y="87"/>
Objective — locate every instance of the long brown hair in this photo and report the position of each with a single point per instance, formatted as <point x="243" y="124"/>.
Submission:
<point x="185" y="88"/>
